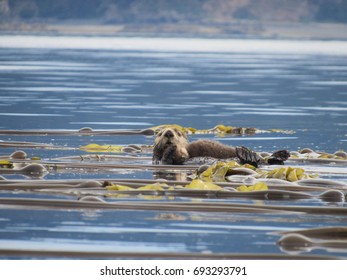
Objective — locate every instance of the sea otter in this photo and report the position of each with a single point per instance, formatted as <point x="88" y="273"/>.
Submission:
<point x="171" y="147"/>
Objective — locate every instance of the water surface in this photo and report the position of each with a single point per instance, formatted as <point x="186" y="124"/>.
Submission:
<point x="135" y="83"/>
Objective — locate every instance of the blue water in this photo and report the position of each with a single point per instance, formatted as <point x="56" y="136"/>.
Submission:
<point x="135" y="83"/>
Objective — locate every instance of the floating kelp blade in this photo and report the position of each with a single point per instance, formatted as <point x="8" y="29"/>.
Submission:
<point x="260" y="186"/>
<point x="222" y="194"/>
<point x="170" y="206"/>
<point x="218" y="129"/>
<point x="202" y="185"/>
<point x="22" y="145"/>
<point x="221" y="129"/>
<point x="108" y="166"/>
<point x="340" y="162"/>
<point x="291" y="174"/>
<point x="76" y="253"/>
<point x="221" y="171"/>
<point x="97" y="148"/>
<point x="7" y="184"/>
<point x="86" y="131"/>
<point x="322" y="232"/>
<point x="102" y="148"/>
<point x="103" y="157"/>
<point x="295" y="243"/>
<point x="32" y="170"/>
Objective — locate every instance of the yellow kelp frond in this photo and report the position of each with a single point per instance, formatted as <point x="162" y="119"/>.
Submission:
<point x="92" y="148"/>
<point x="288" y="173"/>
<point x="341" y="154"/>
<point x="225" y="170"/>
<point x="150" y="187"/>
<point x="249" y="166"/>
<point x="261" y="186"/>
<point x="221" y="169"/>
<point x="307" y="153"/>
<point x="116" y="187"/>
<point x="187" y="130"/>
<point x="154" y="187"/>
<point x="35" y="158"/>
<point x="6" y="164"/>
<point x="202" y="185"/>
<point x="220" y="129"/>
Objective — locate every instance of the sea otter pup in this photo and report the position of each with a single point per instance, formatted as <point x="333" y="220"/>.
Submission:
<point x="171" y="147"/>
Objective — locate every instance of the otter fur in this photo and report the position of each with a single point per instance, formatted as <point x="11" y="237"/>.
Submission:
<point x="171" y="147"/>
<point x="209" y="148"/>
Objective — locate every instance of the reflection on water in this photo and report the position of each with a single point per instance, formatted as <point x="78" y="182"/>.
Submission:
<point x="118" y="83"/>
<point x="87" y="85"/>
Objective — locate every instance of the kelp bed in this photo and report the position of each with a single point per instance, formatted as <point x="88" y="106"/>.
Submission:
<point x="310" y="188"/>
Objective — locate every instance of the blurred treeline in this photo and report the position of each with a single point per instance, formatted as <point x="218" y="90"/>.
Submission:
<point x="175" y="11"/>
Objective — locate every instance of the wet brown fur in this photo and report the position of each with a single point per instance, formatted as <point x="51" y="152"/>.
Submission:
<point x="208" y="148"/>
<point x="171" y="147"/>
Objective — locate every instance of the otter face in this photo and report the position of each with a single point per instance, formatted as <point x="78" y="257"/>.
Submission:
<point x="170" y="136"/>
<point x="170" y="147"/>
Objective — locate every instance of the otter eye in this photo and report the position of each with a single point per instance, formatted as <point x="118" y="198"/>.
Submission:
<point x="179" y="133"/>
<point x="160" y="134"/>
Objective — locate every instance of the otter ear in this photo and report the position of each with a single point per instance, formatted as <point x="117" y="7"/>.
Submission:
<point x="180" y="133"/>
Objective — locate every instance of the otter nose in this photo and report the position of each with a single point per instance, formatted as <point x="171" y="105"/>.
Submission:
<point x="168" y="134"/>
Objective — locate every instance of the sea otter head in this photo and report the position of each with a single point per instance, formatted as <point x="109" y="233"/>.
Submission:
<point x="170" y="136"/>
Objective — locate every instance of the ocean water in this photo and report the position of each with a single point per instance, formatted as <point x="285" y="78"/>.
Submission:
<point x="66" y="83"/>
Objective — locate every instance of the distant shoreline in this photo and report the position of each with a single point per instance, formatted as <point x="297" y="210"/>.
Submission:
<point x="240" y="29"/>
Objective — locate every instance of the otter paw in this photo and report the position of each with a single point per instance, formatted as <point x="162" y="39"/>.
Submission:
<point x="246" y="155"/>
<point x="173" y="155"/>
<point x="278" y="157"/>
<point x="169" y="154"/>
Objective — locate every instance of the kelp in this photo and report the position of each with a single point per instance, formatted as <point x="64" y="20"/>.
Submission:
<point x="104" y="157"/>
<point x="86" y="253"/>
<point x="84" y="131"/>
<point x="220" y="171"/>
<point x="321" y="232"/>
<point x="150" y="187"/>
<point x="291" y="174"/>
<point x="221" y="129"/>
<point x="295" y="243"/>
<point x="30" y="145"/>
<point x="171" y="206"/>
<point x="202" y="185"/>
<point x="187" y="130"/>
<point x="90" y="190"/>
<point x="32" y="170"/>
<point x="6" y="164"/>
<point x="117" y="187"/>
<point x="102" y="148"/>
<point x="284" y="183"/>
<point x="260" y="186"/>
<point x="309" y="154"/>
<point x="195" y="184"/>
